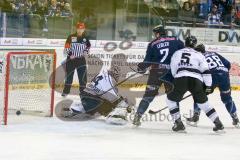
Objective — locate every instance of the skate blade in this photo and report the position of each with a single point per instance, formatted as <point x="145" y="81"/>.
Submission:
<point x="181" y="132"/>
<point x="66" y="115"/>
<point x="116" y="121"/>
<point x="237" y="126"/>
<point x="193" y="124"/>
<point x="135" y="126"/>
<point x="220" y="132"/>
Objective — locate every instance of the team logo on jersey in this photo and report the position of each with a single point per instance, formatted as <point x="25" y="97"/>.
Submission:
<point x="74" y="39"/>
<point x="84" y="40"/>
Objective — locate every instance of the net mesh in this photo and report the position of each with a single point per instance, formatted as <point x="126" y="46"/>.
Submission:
<point x="29" y="85"/>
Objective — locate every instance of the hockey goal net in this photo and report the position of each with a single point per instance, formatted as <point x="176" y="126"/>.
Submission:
<point x="26" y="83"/>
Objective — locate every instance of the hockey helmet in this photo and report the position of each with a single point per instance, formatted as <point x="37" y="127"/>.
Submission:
<point x="159" y="29"/>
<point x="200" y="48"/>
<point x="191" y="41"/>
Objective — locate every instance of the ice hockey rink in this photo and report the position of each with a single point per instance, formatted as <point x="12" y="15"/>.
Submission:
<point x="41" y="138"/>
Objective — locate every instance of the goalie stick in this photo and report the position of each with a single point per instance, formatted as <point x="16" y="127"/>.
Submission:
<point x="134" y="74"/>
<point x="155" y="112"/>
<point x="131" y="76"/>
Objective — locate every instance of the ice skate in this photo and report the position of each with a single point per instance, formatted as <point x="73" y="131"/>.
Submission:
<point x="193" y="121"/>
<point x="235" y="122"/>
<point x="178" y="126"/>
<point x="137" y="120"/>
<point x="219" y="128"/>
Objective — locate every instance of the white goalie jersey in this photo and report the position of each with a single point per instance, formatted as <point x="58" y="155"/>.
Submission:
<point x="189" y="63"/>
<point x="103" y="85"/>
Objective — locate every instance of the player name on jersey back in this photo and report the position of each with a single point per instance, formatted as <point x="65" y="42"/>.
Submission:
<point x="164" y="44"/>
<point x="188" y="63"/>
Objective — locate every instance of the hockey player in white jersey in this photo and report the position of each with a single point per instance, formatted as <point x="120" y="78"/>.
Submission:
<point x="191" y="72"/>
<point x="101" y="96"/>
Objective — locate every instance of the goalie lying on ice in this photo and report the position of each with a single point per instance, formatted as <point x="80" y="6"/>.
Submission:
<point x="101" y="96"/>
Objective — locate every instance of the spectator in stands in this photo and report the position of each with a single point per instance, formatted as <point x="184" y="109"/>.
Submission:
<point x="43" y="12"/>
<point x="236" y="19"/>
<point x="42" y="9"/>
<point x="61" y="3"/>
<point x="66" y="12"/>
<point x="194" y="6"/>
<point x="34" y="6"/>
<point x="230" y="18"/>
<point x="187" y="12"/>
<point x="52" y="8"/>
<point x="58" y="12"/>
<point x="214" y="18"/>
<point x="225" y="8"/>
<point x="6" y="6"/>
<point x="14" y="7"/>
<point x="202" y="6"/>
<point x="22" y="7"/>
<point x="43" y="2"/>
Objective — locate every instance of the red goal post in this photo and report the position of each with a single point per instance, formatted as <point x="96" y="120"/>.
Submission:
<point x="27" y="83"/>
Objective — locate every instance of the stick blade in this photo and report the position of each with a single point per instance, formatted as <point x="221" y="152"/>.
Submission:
<point x="152" y="112"/>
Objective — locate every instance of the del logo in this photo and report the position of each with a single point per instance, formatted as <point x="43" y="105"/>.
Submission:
<point x="225" y="36"/>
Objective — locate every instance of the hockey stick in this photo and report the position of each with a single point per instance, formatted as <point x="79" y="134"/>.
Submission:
<point x="155" y="112"/>
<point x="134" y="74"/>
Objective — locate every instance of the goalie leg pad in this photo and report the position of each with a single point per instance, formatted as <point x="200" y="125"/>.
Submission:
<point x="77" y="107"/>
<point x="119" y="115"/>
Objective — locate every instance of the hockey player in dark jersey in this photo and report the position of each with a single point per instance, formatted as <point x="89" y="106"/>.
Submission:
<point x="219" y="67"/>
<point x="158" y="56"/>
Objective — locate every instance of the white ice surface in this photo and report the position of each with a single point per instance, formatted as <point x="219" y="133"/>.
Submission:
<point x="52" y="139"/>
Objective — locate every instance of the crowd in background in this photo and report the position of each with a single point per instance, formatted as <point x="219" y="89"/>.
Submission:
<point x="214" y="12"/>
<point x="41" y="7"/>
<point x="22" y="13"/>
<point x="211" y="13"/>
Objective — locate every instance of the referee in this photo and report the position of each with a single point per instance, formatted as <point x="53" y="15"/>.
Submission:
<point x="76" y="47"/>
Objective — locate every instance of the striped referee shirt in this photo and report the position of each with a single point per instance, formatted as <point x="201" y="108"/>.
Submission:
<point x="76" y="45"/>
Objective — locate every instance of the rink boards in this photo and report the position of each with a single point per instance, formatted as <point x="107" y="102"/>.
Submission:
<point x="128" y="55"/>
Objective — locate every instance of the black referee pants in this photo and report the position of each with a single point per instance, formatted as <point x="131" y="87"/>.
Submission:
<point x="71" y="65"/>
